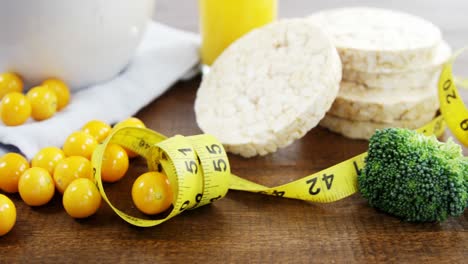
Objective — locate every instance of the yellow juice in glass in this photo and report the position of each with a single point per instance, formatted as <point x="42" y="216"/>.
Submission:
<point x="224" y="21"/>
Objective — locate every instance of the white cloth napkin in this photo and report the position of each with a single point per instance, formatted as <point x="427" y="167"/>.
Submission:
<point x="163" y="57"/>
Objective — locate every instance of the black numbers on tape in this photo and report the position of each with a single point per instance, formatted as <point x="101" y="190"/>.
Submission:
<point x="464" y="124"/>
<point x="198" y="197"/>
<point x="219" y="165"/>
<point x="450" y="94"/>
<point x="356" y="168"/>
<point x="184" y="205"/>
<point x="312" y="183"/>
<point x="327" y="179"/>
<point x="214" y="149"/>
<point x="184" y="151"/>
<point x="143" y="144"/>
<point x="279" y="194"/>
<point x="191" y="166"/>
<point x="274" y="193"/>
<point x="215" y="198"/>
<point x="447" y="84"/>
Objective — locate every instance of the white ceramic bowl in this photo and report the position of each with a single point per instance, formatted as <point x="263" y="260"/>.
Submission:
<point x="80" y="41"/>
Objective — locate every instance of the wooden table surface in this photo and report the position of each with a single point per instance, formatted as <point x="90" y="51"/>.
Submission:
<point x="245" y="227"/>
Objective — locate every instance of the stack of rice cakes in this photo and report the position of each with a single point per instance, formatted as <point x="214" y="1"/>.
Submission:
<point x="391" y="64"/>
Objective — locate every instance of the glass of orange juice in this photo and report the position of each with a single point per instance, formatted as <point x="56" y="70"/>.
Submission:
<point x="224" y="21"/>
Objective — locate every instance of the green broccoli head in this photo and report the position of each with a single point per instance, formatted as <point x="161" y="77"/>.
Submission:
<point x="414" y="177"/>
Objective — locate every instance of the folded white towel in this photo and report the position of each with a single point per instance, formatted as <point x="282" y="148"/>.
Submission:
<point x="163" y="57"/>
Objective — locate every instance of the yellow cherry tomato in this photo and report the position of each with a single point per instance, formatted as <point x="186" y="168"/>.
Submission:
<point x="114" y="163"/>
<point x="98" y="129"/>
<point x="10" y="82"/>
<point x="47" y="158"/>
<point x="7" y="215"/>
<point x="81" y="198"/>
<point x="61" y="91"/>
<point x="80" y="143"/>
<point x="36" y="186"/>
<point x="152" y="193"/>
<point x="15" y="109"/>
<point x="129" y="122"/>
<point x="43" y="102"/>
<point x="12" y="165"/>
<point x="69" y="169"/>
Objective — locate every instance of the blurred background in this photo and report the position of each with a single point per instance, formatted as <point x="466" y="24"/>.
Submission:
<point x="450" y="15"/>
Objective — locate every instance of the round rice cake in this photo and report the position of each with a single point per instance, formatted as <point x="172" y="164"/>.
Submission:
<point x="269" y="88"/>
<point x="379" y="40"/>
<point x="417" y="77"/>
<point x="364" y="129"/>
<point x="357" y="102"/>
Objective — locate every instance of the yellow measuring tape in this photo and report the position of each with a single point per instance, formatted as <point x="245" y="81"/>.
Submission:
<point x="451" y="104"/>
<point x="199" y="171"/>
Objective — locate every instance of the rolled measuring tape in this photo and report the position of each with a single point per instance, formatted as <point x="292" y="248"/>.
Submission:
<point x="197" y="167"/>
<point x="199" y="172"/>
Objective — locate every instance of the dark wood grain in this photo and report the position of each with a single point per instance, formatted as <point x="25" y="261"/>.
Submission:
<point x="245" y="227"/>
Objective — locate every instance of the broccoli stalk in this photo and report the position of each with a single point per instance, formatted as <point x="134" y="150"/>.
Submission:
<point x="414" y="177"/>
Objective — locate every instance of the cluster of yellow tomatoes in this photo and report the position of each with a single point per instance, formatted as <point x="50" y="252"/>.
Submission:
<point x="69" y="171"/>
<point x="40" y="102"/>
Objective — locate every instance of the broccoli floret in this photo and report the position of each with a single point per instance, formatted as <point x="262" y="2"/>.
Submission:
<point x="414" y="177"/>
